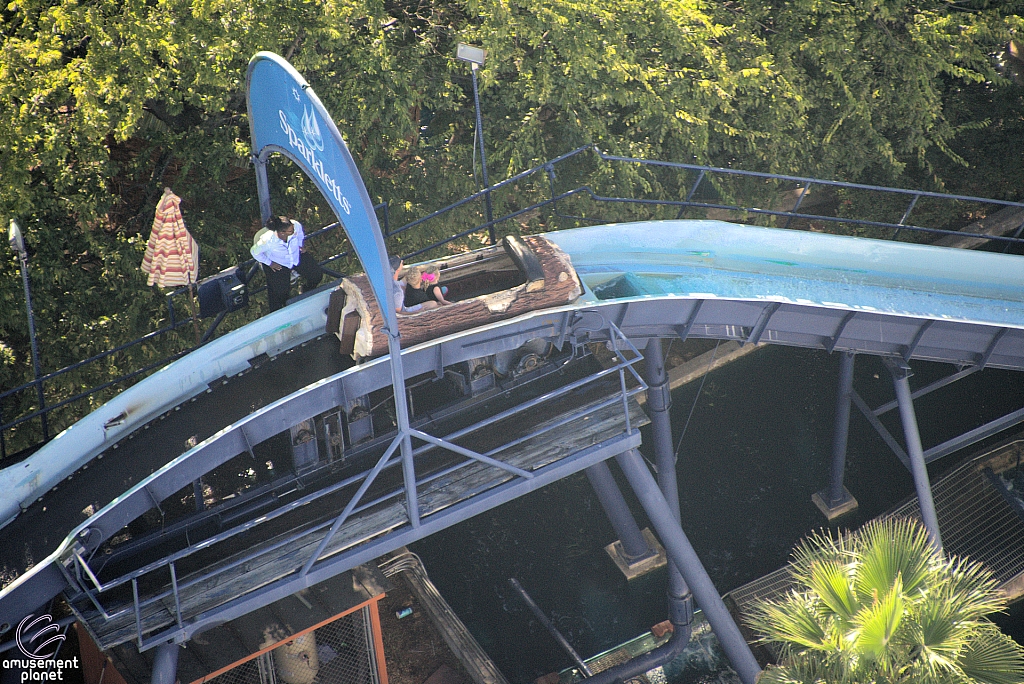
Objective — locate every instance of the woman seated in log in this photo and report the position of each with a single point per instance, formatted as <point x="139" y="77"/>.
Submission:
<point x="413" y="292"/>
<point x="422" y="289"/>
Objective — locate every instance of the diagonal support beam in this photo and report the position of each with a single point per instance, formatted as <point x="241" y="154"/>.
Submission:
<point x="928" y="389"/>
<point x="831" y="345"/>
<point x="634" y="546"/>
<point x="762" y="323"/>
<point x="470" y="454"/>
<point x="901" y="382"/>
<point x="973" y="436"/>
<point x="886" y="436"/>
<point x="909" y="351"/>
<point x="353" y="502"/>
<point x="685" y="558"/>
<point x="983" y="361"/>
<point x="684" y="330"/>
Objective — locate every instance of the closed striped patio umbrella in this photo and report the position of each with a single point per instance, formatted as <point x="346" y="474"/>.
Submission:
<point x="172" y="255"/>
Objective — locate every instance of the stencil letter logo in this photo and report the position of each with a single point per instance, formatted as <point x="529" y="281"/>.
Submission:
<point x="39" y="639"/>
<point x="311" y="130"/>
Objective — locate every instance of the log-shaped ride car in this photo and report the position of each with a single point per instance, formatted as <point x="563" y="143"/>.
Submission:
<point x="518" y="275"/>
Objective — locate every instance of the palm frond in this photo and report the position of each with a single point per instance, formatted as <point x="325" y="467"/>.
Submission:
<point x="992" y="657"/>
<point x="802" y="669"/>
<point x="889" y="548"/>
<point x="936" y="635"/>
<point x="793" y="620"/>
<point x="817" y="547"/>
<point x="972" y="589"/>
<point x="830" y="580"/>
<point x="883" y="606"/>
<point x="876" y="624"/>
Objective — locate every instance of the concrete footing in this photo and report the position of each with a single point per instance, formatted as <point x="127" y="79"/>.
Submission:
<point x="833" y="511"/>
<point x="656" y="559"/>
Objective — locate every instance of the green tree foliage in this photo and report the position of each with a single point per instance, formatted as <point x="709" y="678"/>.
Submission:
<point x="883" y="605"/>
<point x="105" y="102"/>
<point x="875" y="76"/>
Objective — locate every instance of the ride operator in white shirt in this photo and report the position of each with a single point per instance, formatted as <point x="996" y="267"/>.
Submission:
<point x="281" y="251"/>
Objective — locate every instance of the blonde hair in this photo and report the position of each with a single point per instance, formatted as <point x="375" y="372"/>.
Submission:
<point x="414" y="275"/>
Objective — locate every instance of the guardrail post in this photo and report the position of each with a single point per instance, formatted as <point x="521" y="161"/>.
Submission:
<point x="23" y="260"/>
<point x="177" y="596"/>
<point x="799" y="200"/>
<point x="483" y="157"/>
<point x="262" y="188"/>
<point x="137" y="608"/>
<point x="387" y="218"/>
<point x="689" y="195"/>
<point x="550" y="169"/>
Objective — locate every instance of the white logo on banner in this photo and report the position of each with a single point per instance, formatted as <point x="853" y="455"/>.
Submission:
<point x="307" y="146"/>
<point x="311" y="130"/>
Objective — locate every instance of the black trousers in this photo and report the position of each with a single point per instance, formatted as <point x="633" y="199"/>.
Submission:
<point x="279" y="283"/>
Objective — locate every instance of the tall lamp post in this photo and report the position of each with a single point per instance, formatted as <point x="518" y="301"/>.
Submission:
<point x="18" y="245"/>
<point x="475" y="57"/>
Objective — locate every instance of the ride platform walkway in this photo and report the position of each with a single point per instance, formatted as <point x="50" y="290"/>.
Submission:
<point x="587" y="417"/>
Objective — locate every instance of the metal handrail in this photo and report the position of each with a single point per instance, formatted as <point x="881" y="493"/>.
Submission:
<point x="409" y="475"/>
<point x="703" y="173"/>
<point x="802" y="179"/>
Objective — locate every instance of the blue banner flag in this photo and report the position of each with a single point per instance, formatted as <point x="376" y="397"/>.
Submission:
<point x="286" y="116"/>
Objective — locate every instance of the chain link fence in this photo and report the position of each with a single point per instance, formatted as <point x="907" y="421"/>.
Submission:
<point x="340" y="652"/>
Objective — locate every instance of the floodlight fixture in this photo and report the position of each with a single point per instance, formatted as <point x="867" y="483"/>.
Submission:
<point x="472" y="54"/>
<point x="15" y="238"/>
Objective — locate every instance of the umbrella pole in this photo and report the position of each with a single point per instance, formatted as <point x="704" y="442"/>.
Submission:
<point x="192" y="309"/>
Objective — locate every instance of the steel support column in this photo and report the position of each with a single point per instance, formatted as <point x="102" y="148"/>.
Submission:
<point x="836" y="500"/>
<point x="681" y="552"/>
<point x="262" y="188"/>
<point x="165" y="664"/>
<point x="901" y="382"/>
<point x="634" y="546"/>
<point x="659" y="401"/>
